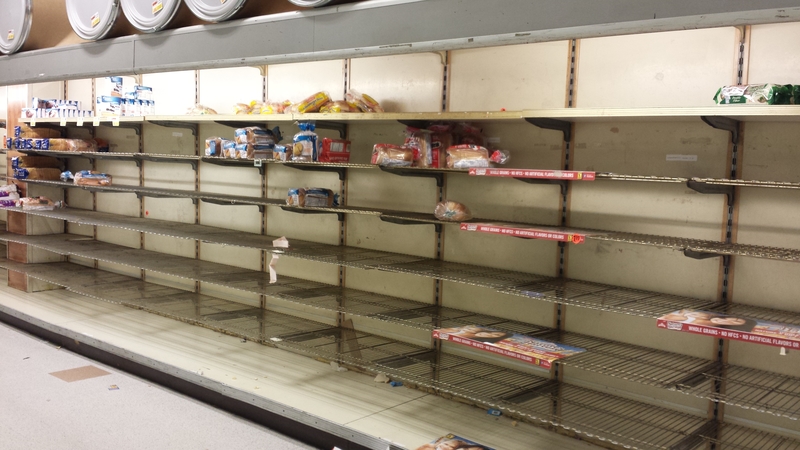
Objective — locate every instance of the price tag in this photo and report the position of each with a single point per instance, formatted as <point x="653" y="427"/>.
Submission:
<point x="10" y="35"/>
<point x="79" y="122"/>
<point x="95" y="19"/>
<point x="157" y="7"/>
<point x="115" y="121"/>
<point x="63" y="122"/>
<point x="33" y="122"/>
<point x="96" y="121"/>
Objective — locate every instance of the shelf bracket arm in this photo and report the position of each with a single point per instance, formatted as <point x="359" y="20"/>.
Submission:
<point x="724" y="124"/>
<point x="707" y="188"/>
<point x="552" y="124"/>
<point x="175" y="124"/>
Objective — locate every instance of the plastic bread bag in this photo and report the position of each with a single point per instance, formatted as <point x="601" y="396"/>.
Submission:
<point x="199" y="110"/>
<point x="364" y="102"/>
<point x="213" y="146"/>
<point x="441" y="140"/>
<point x="312" y="103"/>
<point x="420" y="142"/>
<point x="312" y="197"/>
<point x="769" y="94"/>
<point x="500" y="156"/>
<point x="241" y="151"/>
<point x="261" y="151"/>
<point x="467" y="156"/>
<point x="275" y="107"/>
<point x="282" y="153"/>
<point x="339" y="106"/>
<point x="39" y="204"/>
<point x="254" y="136"/>
<point x="467" y="134"/>
<point x="91" y="178"/>
<point x="241" y="108"/>
<point x="306" y="143"/>
<point x="228" y="149"/>
<point x="389" y="155"/>
<point x="450" y="211"/>
<point x="334" y="150"/>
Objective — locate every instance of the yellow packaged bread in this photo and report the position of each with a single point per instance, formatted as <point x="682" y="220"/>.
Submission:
<point x="313" y="103"/>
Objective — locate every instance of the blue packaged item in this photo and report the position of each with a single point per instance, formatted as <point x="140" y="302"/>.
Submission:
<point x="17" y="131"/>
<point x="495" y="412"/>
<point x="66" y="176"/>
<point x="28" y="144"/>
<point x="396" y="383"/>
<point x="21" y="174"/>
<point x="228" y="149"/>
<point x="282" y="153"/>
<point x="9" y="143"/>
<point x="15" y="162"/>
<point x="306" y="143"/>
<point x="241" y="151"/>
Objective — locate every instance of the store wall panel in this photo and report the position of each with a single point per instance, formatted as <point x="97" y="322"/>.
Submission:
<point x="364" y="136"/>
<point x="771" y="60"/>
<point x="372" y="233"/>
<point x="246" y="258"/>
<point x="766" y="283"/>
<point x="406" y="286"/>
<point x="390" y="330"/>
<point x="83" y="230"/>
<point x="81" y="90"/>
<point x="514" y="77"/>
<point x="298" y="81"/>
<point x="501" y="252"/>
<point x="235" y="218"/>
<point x="401" y="83"/>
<point x="377" y="189"/>
<point x="637" y="331"/>
<point x="81" y="261"/>
<point x="670" y="69"/>
<point x="124" y="173"/>
<point x="220" y="89"/>
<point x="304" y="312"/>
<point x="506" y="199"/>
<point x="233" y="295"/>
<point x="117" y="236"/>
<point x="168" y="280"/>
<point x="492" y="303"/>
<point x="647" y="268"/>
<point x="322" y="228"/>
<point x="168" y="141"/>
<point x="173" y="92"/>
<point x="118" y="203"/>
<point x="52" y="89"/>
<point x="281" y="179"/>
<point x="119" y="268"/>
<point x="169" y="245"/>
<point x="77" y="198"/>
<point x="122" y="140"/>
<point x="173" y="209"/>
<point x="652" y="148"/>
<point x="756" y="356"/>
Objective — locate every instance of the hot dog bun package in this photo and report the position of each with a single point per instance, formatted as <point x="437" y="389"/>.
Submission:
<point x="363" y="102"/>
<point x="334" y="150"/>
<point x="306" y="143"/>
<point x="420" y="142"/>
<point x="450" y="211"/>
<point x="312" y="103"/>
<point x="389" y="155"/>
<point x="312" y="197"/>
<point x="91" y="178"/>
<point x="467" y="156"/>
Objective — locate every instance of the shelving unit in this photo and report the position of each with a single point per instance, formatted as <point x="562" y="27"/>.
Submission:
<point x="368" y="293"/>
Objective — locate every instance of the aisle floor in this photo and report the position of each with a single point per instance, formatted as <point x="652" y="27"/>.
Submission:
<point x="51" y="398"/>
<point x="87" y="415"/>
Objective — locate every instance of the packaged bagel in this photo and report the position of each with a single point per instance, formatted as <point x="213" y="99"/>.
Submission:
<point x="450" y="211"/>
<point x="467" y="156"/>
<point x="389" y="155"/>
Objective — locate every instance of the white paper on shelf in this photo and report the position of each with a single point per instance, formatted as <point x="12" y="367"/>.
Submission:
<point x="281" y="242"/>
<point x="273" y="274"/>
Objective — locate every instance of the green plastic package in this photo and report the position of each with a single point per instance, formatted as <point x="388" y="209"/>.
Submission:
<point x="768" y="94"/>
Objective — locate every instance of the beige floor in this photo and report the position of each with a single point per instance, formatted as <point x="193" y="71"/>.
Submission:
<point x="404" y="416"/>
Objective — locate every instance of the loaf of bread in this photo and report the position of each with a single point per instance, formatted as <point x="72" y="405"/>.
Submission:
<point x="311" y="197"/>
<point x="214" y="146"/>
<point x="466" y="156"/>
<point x="312" y="103"/>
<point x="420" y="142"/>
<point x="392" y="155"/>
<point x="450" y="211"/>
<point x="72" y="145"/>
<point x="26" y="132"/>
<point x="254" y="136"/>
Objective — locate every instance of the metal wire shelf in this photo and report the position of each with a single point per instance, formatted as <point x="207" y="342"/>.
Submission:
<point x="697" y="246"/>
<point x="747" y="388"/>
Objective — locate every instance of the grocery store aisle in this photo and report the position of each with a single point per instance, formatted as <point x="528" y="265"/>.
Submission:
<point x="45" y="405"/>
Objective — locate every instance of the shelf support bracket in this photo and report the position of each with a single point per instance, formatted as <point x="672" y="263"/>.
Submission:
<point x="340" y="127"/>
<point x="175" y="124"/>
<point x="552" y="124"/>
<point x="401" y="221"/>
<point x="341" y="171"/>
<point x="724" y="124"/>
<point x="144" y="157"/>
<point x="403" y="172"/>
<point x="561" y="183"/>
<point x="706" y="188"/>
<point x="339" y="216"/>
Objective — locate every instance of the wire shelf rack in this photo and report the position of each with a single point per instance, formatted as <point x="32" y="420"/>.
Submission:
<point x="594" y="414"/>
<point x="777" y="395"/>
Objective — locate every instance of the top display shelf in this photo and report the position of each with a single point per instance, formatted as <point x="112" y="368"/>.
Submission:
<point x="759" y="113"/>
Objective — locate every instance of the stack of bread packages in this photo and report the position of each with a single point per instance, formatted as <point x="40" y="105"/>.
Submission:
<point x="248" y="143"/>
<point x="31" y="167"/>
<point x="440" y="145"/>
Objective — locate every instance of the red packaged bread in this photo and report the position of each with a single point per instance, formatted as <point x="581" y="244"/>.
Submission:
<point x="334" y="150"/>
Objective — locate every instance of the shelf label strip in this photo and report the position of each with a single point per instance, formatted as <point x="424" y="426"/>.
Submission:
<point x="734" y="328"/>
<point x="529" y="233"/>
<point x="533" y="173"/>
